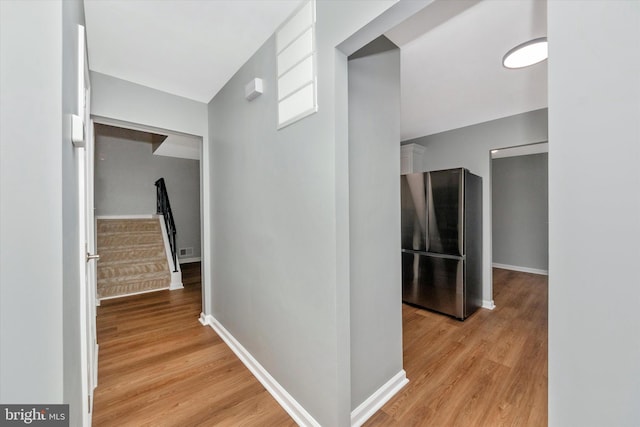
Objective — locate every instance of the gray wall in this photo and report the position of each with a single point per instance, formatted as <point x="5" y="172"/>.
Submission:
<point x="122" y="100"/>
<point x="39" y="249"/>
<point x="125" y="173"/>
<point x="280" y="222"/>
<point x="31" y="108"/>
<point x="520" y="209"/>
<point x="374" y="198"/>
<point x="273" y="242"/>
<point x="594" y="211"/>
<point x="470" y="147"/>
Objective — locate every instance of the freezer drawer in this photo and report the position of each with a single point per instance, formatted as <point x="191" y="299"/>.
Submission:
<point x="433" y="282"/>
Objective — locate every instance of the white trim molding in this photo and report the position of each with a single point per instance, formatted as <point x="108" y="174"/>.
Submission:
<point x="366" y="409"/>
<point x="176" y="276"/>
<point x="288" y="403"/>
<point x="488" y="304"/>
<point x="520" y="150"/>
<point x="96" y="352"/>
<point x="522" y="269"/>
<point x="188" y="260"/>
<point x="203" y="319"/>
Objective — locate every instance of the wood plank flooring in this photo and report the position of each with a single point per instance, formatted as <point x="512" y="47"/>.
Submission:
<point x="490" y="370"/>
<point x="160" y="367"/>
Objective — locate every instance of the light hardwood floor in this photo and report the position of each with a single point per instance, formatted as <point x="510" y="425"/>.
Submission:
<point x="490" y="370"/>
<point x="160" y="367"/>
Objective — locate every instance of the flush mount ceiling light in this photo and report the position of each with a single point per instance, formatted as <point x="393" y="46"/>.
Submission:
<point x="527" y="53"/>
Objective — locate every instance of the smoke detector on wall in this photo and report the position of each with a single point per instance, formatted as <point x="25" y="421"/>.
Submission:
<point x="253" y="89"/>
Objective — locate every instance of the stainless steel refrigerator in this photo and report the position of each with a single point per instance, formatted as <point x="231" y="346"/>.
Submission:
<point x="442" y="241"/>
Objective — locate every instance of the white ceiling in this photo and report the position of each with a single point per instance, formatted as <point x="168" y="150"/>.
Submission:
<point x="189" y="48"/>
<point x="452" y="74"/>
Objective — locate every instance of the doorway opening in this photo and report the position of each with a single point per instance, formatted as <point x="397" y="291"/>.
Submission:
<point x="135" y="219"/>
<point x="520" y="208"/>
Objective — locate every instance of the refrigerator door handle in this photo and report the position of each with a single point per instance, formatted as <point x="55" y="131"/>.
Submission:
<point x="461" y="208"/>
<point x="427" y="206"/>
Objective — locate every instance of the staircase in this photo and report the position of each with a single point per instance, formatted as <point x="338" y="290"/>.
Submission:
<point x="132" y="257"/>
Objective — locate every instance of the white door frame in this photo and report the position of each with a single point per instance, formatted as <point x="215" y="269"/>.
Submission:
<point x="92" y="272"/>
<point x="86" y="242"/>
<point x="86" y="239"/>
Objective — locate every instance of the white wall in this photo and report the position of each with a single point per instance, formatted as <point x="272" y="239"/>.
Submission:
<point x="39" y="248"/>
<point x="374" y="229"/>
<point x="594" y="211"/>
<point x="125" y="176"/>
<point x="470" y="147"/>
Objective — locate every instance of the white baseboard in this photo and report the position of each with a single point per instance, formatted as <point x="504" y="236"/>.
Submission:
<point x="288" y="403"/>
<point x="131" y="294"/>
<point x="522" y="269"/>
<point x="488" y="304"/>
<point x="188" y="260"/>
<point x="96" y="352"/>
<point x="147" y="216"/>
<point x="366" y="409"/>
<point x="176" y="276"/>
<point x="203" y="319"/>
<point x="175" y="284"/>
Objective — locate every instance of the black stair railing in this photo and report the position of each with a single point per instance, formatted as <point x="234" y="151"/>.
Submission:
<point x="164" y="208"/>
